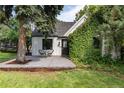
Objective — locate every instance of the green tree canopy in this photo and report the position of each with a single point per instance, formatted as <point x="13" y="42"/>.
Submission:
<point x="109" y="27"/>
<point x="42" y="16"/>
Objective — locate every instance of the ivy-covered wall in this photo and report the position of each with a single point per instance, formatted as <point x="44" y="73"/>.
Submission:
<point x="98" y="25"/>
<point x="81" y="47"/>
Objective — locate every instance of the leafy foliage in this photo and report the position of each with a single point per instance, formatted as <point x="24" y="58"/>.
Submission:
<point x="81" y="13"/>
<point x="4" y="32"/>
<point x="43" y="17"/>
<point x="81" y="43"/>
<point x="5" y="13"/>
<point x="100" y="23"/>
<point x="9" y="33"/>
<point x="112" y="29"/>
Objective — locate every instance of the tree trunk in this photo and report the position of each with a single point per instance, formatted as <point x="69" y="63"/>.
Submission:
<point x="21" y="42"/>
<point x="114" y="55"/>
<point x="116" y="49"/>
<point x="115" y="52"/>
<point x="104" y="50"/>
<point x="103" y="47"/>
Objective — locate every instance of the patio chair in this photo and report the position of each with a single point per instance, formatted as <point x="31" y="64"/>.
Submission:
<point x="49" y="52"/>
<point x="42" y="52"/>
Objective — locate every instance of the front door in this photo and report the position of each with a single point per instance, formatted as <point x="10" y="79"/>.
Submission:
<point x="65" y="50"/>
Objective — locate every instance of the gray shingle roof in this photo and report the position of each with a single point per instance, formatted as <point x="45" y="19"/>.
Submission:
<point x="60" y="29"/>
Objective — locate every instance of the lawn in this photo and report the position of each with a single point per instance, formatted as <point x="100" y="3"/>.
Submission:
<point x="60" y="79"/>
<point x="6" y="56"/>
<point x="95" y="75"/>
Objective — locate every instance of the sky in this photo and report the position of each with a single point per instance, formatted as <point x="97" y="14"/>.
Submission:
<point x="69" y="12"/>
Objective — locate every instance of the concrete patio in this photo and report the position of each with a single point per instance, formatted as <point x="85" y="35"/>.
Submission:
<point x="53" y="62"/>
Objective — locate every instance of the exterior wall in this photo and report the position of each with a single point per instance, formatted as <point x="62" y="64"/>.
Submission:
<point x="57" y="47"/>
<point x="37" y="44"/>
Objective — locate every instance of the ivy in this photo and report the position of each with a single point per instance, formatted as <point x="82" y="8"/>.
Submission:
<point x="81" y="43"/>
<point x="81" y="48"/>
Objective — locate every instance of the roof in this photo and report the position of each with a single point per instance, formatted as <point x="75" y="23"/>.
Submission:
<point x="60" y="29"/>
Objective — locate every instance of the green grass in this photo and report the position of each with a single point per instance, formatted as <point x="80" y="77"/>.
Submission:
<point x="94" y="75"/>
<point x="60" y="79"/>
<point x="6" y="56"/>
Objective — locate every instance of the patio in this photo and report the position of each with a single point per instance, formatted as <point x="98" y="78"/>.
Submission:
<point x="38" y="63"/>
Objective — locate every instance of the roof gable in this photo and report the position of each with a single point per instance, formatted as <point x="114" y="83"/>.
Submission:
<point x="61" y="28"/>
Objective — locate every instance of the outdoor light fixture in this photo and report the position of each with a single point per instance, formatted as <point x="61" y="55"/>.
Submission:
<point x="58" y="43"/>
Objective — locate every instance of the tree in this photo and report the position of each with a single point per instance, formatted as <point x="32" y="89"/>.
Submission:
<point x="112" y="29"/>
<point x="42" y="16"/>
<point x="109" y="28"/>
<point x="5" y="29"/>
<point x="81" y="13"/>
<point x="4" y="32"/>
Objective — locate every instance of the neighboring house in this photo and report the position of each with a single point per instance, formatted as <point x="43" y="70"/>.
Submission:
<point x="56" y="41"/>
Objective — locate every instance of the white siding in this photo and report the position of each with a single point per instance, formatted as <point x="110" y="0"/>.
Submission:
<point x="57" y="49"/>
<point x="37" y="44"/>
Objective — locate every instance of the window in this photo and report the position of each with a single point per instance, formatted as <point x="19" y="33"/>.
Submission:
<point x="96" y="42"/>
<point x="64" y="43"/>
<point x="47" y="44"/>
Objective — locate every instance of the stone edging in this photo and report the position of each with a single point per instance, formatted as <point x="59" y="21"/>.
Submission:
<point x="8" y="61"/>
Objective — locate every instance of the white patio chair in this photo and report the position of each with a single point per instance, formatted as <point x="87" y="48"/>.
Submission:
<point x="49" y="52"/>
<point x="42" y="52"/>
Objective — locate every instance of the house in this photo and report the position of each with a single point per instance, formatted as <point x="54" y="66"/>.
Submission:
<point x="57" y="41"/>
